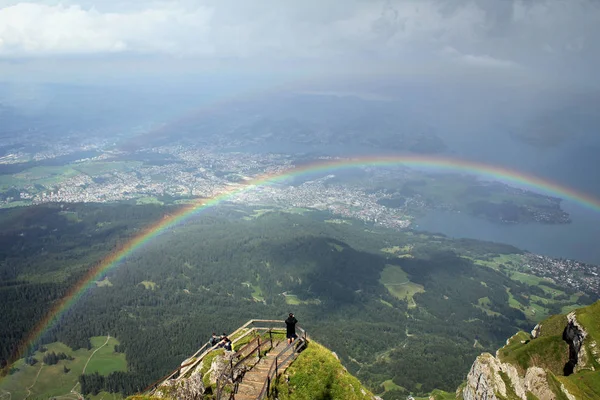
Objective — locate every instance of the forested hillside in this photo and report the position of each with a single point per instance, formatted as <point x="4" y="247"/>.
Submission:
<point x="395" y="306"/>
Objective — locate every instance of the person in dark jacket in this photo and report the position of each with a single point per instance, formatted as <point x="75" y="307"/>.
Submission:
<point x="290" y="324"/>
<point x="214" y="339"/>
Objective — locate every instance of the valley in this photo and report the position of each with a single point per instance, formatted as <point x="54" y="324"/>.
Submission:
<point x="386" y="301"/>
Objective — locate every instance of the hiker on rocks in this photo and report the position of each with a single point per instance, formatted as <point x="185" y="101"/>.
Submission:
<point x="213" y="340"/>
<point x="290" y="324"/>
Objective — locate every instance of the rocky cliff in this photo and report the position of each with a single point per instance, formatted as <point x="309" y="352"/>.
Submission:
<point x="560" y="359"/>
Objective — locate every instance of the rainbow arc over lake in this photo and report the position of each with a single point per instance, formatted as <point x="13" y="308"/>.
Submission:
<point x="435" y="163"/>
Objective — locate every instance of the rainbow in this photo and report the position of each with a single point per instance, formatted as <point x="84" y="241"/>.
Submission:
<point x="428" y="162"/>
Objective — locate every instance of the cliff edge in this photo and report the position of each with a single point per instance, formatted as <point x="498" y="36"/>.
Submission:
<point x="559" y="359"/>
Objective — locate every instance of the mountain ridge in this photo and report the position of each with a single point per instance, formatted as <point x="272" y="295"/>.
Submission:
<point x="559" y="359"/>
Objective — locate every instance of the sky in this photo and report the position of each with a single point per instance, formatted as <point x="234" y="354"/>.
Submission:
<point x="546" y="40"/>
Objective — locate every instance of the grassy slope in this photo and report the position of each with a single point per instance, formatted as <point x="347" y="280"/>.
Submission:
<point x="52" y="380"/>
<point x="318" y="374"/>
<point x="551" y="352"/>
<point x="586" y="384"/>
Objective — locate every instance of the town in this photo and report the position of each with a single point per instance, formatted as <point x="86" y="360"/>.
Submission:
<point x="574" y="274"/>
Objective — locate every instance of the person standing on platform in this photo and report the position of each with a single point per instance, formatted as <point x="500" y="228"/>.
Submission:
<point x="290" y="324"/>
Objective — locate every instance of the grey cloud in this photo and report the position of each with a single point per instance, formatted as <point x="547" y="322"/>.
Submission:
<point x="545" y="36"/>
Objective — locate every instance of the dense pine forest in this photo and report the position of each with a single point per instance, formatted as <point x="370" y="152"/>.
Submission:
<point x="228" y="265"/>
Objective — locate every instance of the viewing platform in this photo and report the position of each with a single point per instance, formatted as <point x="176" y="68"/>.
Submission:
<point x="261" y="354"/>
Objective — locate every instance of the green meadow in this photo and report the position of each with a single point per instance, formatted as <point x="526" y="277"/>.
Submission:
<point x="41" y="381"/>
<point x="397" y="283"/>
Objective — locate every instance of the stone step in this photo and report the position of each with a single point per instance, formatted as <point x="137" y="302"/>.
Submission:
<point x="250" y="388"/>
<point x="254" y="379"/>
<point x="257" y="377"/>
<point x="239" y="396"/>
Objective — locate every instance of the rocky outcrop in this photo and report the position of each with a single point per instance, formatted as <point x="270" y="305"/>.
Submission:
<point x="491" y="379"/>
<point x="221" y="363"/>
<point x="484" y="380"/>
<point x="574" y="335"/>
<point x="537" y="383"/>
<point x="535" y="333"/>
<point x="191" y="388"/>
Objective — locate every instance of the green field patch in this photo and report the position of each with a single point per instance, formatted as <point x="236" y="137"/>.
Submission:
<point x="483" y="304"/>
<point x="100" y="396"/>
<point x="495" y="262"/>
<point x="336" y="246"/>
<point x="258" y="213"/>
<point x="97" y="168"/>
<point x="292" y="299"/>
<point x="513" y="302"/>
<point x="9" y="181"/>
<point x="148" y="285"/>
<point x="400" y="252"/>
<point x="338" y="221"/>
<point x="528" y="279"/>
<point x="397" y="283"/>
<point x="12" y="204"/>
<point x="297" y="210"/>
<point x="441" y="395"/>
<point x="185" y="201"/>
<point x="52" y="381"/>
<point x="104" y="282"/>
<point x="570" y="307"/>
<point x="534" y="312"/>
<point x="148" y="200"/>
<point x="389" y="385"/>
<point x="556" y="292"/>
<point x="48" y="177"/>
<point x="71" y="216"/>
<point x="257" y="293"/>
<point x="105" y="360"/>
<point x="484" y="301"/>
<point x="42" y="173"/>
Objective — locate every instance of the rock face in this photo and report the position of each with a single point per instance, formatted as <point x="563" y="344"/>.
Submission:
<point x="574" y="335"/>
<point x="535" y="333"/>
<point x="491" y="379"/>
<point x="220" y="364"/>
<point x="191" y="388"/>
<point x="484" y="379"/>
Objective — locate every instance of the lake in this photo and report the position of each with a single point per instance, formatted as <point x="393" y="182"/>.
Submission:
<point x="578" y="240"/>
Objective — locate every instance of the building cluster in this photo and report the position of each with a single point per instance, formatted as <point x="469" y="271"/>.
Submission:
<point x="575" y="274"/>
<point x="345" y="201"/>
<point x="194" y="172"/>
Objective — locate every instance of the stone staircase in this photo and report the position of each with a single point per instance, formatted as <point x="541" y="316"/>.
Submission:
<point x="253" y="380"/>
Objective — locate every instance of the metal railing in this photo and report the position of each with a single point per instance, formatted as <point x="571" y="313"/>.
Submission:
<point x="234" y="371"/>
<point x="249" y="328"/>
<point x="281" y="362"/>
